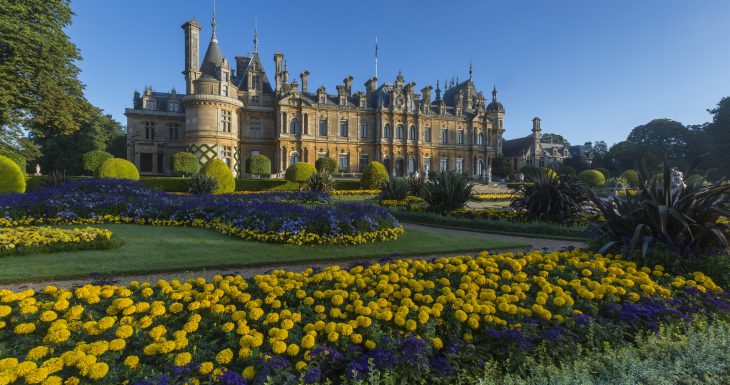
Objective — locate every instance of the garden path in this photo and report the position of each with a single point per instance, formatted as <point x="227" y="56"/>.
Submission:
<point x="536" y="243"/>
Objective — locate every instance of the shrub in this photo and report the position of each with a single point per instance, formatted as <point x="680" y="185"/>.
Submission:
<point x="566" y="170"/>
<point x="264" y="184"/>
<point x="217" y="169"/>
<point x="631" y="177"/>
<point x="416" y="185"/>
<point x="529" y="171"/>
<point x="552" y="199"/>
<point x="687" y="221"/>
<point x="17" y="158"/>
<point x="448" y="192"/>
<point x="201" y="184"/>
<point x="347" y="184"/>
<point x="92" y="160"/>
<point x="320" y="182"/>
<point x="697" y="179"/>
<point x="12" y="179"/>
<point x="373" y="176"/>
<point x="394" y="189"/>
<point x="55" y="178"/>
<point x="299" y="172"/>
<point x="616" y="183"/>
<point x="118" y="168"/>
<point x="326" y="165"/>
<point x="592" y="178"/>
<point x="258" y="165"/>
<point x="606" y="172"/>
<point x="185" y="163"/>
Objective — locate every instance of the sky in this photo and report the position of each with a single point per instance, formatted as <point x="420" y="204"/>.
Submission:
<point x="591" y="70"/>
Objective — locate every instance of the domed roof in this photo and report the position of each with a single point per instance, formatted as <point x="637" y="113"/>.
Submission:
<point x="495" y="106"/>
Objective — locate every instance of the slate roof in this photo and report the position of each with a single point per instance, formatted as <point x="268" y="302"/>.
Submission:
<point x="515" y="147"/>
<point x="212" y="60"/>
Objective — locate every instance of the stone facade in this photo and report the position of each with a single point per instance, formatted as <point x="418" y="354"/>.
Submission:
<point x="232" y="111"/>
<point x="531" y="150"/>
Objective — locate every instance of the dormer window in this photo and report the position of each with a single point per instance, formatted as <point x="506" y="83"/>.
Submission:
<point x="224" y="90"/>
<point x="255" y="100"/>
<point x="256" y="82"/>
<point x="363" y="102"/>
<point x="173" y="107"/>
<point x="343" y="100"/>
<point x="322" y="99"/>
<point x="151" y="105"/>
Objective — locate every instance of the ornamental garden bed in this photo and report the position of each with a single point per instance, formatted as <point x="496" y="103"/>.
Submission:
<point x="403" y="321"/>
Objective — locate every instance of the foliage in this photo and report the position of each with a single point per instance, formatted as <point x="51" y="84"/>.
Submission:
<point x="27" y="240"/>
<point x="185" y="163"/>
<point x="258" y="184"/>
<point x="718" y="138"/>
<point x="259" y="217"/>
<point x="555" y="138"/>
<point x="606" y="172"/>
<point x="373" y="176"/>
<point x="316" y="328"/>
<point x="394" y="189"/>
<point x="320" y="182"/>
<point x="326" y="165"/>
<point x="661" y="137"/>
<point x="17" y="158"/>
<point x="631" y="177"/>
<point x="219" y="171"/>
<point x="118" y="168"/>
<point x="347" y="184"/>
<point x="501" y="167"/>
<point x="55" y="179"/>
<point x="258" y="165"/>
<point x="92" y="160"/>
<point x="529" y="171"/>
<point x="449" y="191"/>
<point x="417" y="184"/>
<point x="551" y="199"/>
<point x="12" y="179"/>
<point x="201" y="184"/>
<point x="592" y="178"/>
<point x="566" y="170"/>
<point x="616" y="183"/>
<point x="687" y="221"/>
<point x="299" y="172"/>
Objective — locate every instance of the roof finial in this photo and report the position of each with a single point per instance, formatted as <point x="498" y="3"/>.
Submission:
<point x="494" y="94"/>
<point x="213" y="23"/>
<point x="470" y="69"/>
<point x="255" y="36"/>
<point x="285" y="70"/>
<point x="437" y="84"/>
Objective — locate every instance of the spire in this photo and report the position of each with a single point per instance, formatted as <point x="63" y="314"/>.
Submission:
<point x="470" y="69"/>
<point x="255" y="36"/>
<point x="494" y="94"/>
<point x="213" y="24"/>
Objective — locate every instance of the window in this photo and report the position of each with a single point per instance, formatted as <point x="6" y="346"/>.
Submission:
<point x="459" y="165"/>
<point x="363" y="161"/>
<point x="225" y="121"/>
<point x="254" y="152"/>
<point x="411" y="165"/>
<point x="363" y="130"/>
<point x="426" y="164"/>
<point x="173" y="107"/>
<point x="174" y="131"/>
<point x="227" y="154"/>
<point x="344" y="128"/>
<point x="256" y="82"/>
<point x="322" y="99"/>
<point x="224" y="92"/>
<point x="412" y="133"/>
<point x="151" y="104"/>
<point x="149" y="131"/>
<point x="255" y="100"/>
<point x="294" y="158"/>
<point x="427" y="134"/>
<point x="323" y="127"/>
<point x="145" y="161"/>
<point x="344" y="163"/>
<point x="386" y="131"/>
<point x="254" y="128"/>
<point x="321" y="155"/>
<point x="480" y="139"/>
<point x="399" y="131"/>
<point x="294" y="127"/>
<point x="444" y="135"/>
<point x="443" y="164"/>
<point x="460" y="137"/>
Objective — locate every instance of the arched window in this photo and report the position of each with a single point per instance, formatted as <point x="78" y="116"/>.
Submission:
<point x="386" y="164"/>
<point x="386" y="131"/>
<point x="412" y="132"/>
<point x="294" y="158"/>
<point x="411" y="165"/>
<point x="399" y="132"/>
<point x="480" y="139"/>
<point x="294" y="126"/>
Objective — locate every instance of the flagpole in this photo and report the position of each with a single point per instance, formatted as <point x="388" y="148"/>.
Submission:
<point x="376" y="57"/>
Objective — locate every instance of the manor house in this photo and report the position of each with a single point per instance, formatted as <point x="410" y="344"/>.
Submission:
<point x="231" y="110"/>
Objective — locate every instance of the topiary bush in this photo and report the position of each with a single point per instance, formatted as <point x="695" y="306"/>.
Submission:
<point x="92" y="160"/>
<point x="447" y="192"/>
<point x="17" y="158"/>
<point x="326" y="165"/>
<point x="631" y="177"/>
<point x="299" y="172"/>
<point x="219" y="171"/>
<point x="12" y="179"/>
<point x="373" y="176"/>
<point x="258" y="165"/>
<point x="118" y="168"/>
<point x="606" y="172"/>
<point x="592" y="178"/>
<point x="185" y="163"/>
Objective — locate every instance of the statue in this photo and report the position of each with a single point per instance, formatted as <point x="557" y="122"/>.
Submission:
<point x="521" y="177"/>
<point x="488" y="175"/>
<point x="676" y="178"/>
<point x="37" y="170"/>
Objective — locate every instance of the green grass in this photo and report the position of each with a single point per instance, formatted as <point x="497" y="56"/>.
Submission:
<point x="149" y="249"/>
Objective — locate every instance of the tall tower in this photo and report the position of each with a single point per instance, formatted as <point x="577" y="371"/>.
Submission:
<point x="192" y="53"/>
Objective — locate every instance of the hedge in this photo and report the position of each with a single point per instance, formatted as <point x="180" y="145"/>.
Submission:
<point x="118" y="168"/>
<point x="180" y="184"/>
<point x="92" y="160"/>
<point x="265" y="184"/>
<point x="168" y="183"/>
<point x="12" y="179"/>
<point x="258" y="165"/>
<point x="17" y="158"/>
<point x="221" y="173"/>
<point x="347" y="184"/>
<point x="326" y="164"/>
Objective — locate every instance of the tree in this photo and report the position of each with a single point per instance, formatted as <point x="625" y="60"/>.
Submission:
<point x="718" y="134"/>
<point x="659" y="137"/>
<point x="600" y="149"/>
<point x="501" y="167"/>
<point x="185" y="163"/>
<point x="627" y="155"/>
<point x="39" y="87"/>
<point x="92" y="160"/>
<point x="555" y="138"/>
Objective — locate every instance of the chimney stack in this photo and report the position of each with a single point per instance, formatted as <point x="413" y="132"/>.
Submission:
<point x="305" y="76"/>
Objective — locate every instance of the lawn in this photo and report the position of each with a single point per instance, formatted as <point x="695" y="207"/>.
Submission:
<point x="154" y="249"/>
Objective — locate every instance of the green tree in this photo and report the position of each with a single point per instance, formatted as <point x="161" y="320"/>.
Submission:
<point x="501" y="167"/>
<point x="659" y="137"/>
<point x="718" y="133"/>
<point x="185" y="163"/>
<point x="628" y="155"/>
<point x="555" y="138"/>
<point x="40" y="92"/>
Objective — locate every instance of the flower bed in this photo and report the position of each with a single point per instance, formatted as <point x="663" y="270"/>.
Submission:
<point x="24" y="240"/>
<point x="261" y="217"/>
<point x="494" y="197"/>
<point x="419" y="318"/>
<point x="355" y="192"/>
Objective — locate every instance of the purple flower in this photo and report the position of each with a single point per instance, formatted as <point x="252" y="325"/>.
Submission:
<point x="230" y="377"/>
<point x="312" y="376"/>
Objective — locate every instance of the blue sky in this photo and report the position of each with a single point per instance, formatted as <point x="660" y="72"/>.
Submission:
<point x="592" y="70"/>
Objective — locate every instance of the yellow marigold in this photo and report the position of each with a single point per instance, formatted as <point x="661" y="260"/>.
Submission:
<point x="333" y="337"/>
<point x="183" y="359"/>
<point x="25" y="367"/>
<point x="308" y="341"/>
<point x="5" y="310"/>
<point x="131" y="362"/>
<point x="48" y="316"/>
<point x="124" y="331"/>
<point x="52" y="380"/>
<point x="36" y="353"/>
<point x="438" y="344"/>
<point x="24" y="328"/>
<point x="370" y="344"/>
<point x="278" y="347"/>
<point x="206" y="367"/>
<point x="224" y="357"/>
<point x="249" y="372"/>
<point x="37" y="376"/>
<point x="98" y="371"/>
<point x="117" y="344"/>
<point x="292" y="350"/>
<point x="300" y="365"/>
<point x="72" y="381"/>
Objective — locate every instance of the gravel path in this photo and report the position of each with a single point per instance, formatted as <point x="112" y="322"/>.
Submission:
<point x="536" y="243"/>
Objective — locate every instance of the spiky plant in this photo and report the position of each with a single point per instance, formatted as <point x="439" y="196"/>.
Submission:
<point x="201" y="184"/>
<point x="447" y="192"/>
<point x="394" y="189"/>
<point x="546" y="197"/>
<point x="322" y="181"/>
